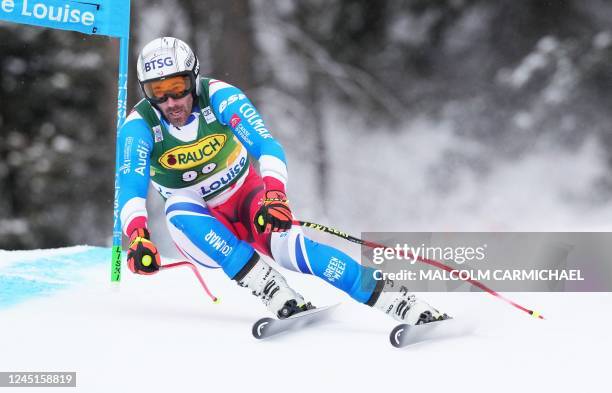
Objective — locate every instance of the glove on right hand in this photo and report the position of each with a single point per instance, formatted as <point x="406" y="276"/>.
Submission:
<point x="142" y="256"/>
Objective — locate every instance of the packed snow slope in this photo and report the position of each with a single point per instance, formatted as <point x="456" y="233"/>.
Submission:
<point x="58" y="312"/>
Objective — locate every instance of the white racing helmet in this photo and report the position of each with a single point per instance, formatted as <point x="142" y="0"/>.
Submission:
<point x="165" y="58"/>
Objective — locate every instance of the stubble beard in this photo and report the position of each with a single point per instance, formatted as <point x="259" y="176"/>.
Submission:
<point x="177" y="115"/>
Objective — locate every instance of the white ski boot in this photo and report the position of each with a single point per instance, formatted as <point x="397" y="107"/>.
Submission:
<point x="269" y="285"/>
<point x="405" y="307"/>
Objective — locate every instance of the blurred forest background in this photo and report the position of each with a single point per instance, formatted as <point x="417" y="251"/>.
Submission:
<point x="395" y="114"/>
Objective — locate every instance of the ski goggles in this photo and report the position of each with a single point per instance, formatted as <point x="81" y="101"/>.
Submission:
<point x="176" y="87"/>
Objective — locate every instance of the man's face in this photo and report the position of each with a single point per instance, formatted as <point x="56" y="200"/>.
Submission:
<point x="177" y="111"/>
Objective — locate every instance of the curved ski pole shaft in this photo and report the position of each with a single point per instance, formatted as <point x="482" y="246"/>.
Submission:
<point x="195" y="271"/>
<point x="440" y="265"/>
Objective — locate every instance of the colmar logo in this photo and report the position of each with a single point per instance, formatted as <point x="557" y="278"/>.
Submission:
<point x="158" y="63"/>
<point x="253" y="118"/>
<point x="186" y="157"/>
<point x="218" y="243"/>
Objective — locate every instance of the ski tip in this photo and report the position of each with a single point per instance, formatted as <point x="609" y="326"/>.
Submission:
<point x="397" y="334"/>
<point x="536" y="314"/>
<point x="260" y="327"/>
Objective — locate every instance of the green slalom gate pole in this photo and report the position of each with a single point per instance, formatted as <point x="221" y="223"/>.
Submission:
<point x="121" y="114"/>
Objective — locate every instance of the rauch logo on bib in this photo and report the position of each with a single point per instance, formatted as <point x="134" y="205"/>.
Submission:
<point x="185" y="157"/>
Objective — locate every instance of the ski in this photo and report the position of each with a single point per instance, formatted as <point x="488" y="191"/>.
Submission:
<point x="266" y="327"/>
<point x="404" y="335"/>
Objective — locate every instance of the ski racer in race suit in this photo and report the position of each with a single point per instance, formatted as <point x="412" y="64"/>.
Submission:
<point x="191" y="137"/>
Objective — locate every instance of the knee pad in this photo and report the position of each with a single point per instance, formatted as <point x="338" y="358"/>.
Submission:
<point x="201" y="237"/>
<point x="284" y="251"/>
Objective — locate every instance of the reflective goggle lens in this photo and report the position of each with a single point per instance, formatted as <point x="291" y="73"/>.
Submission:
<point x="175" y="87"/>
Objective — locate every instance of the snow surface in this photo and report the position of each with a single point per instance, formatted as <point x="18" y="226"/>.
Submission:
<point x="161" y="333"/>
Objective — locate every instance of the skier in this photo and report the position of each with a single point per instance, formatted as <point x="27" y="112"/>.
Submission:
<point x="191" y="137"/>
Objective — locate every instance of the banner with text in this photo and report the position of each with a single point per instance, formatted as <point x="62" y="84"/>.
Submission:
<point x="100" y="17"/>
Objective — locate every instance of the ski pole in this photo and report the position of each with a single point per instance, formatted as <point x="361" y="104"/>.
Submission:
<point x="440" y="265"/>
<point x="195" y="271"/>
